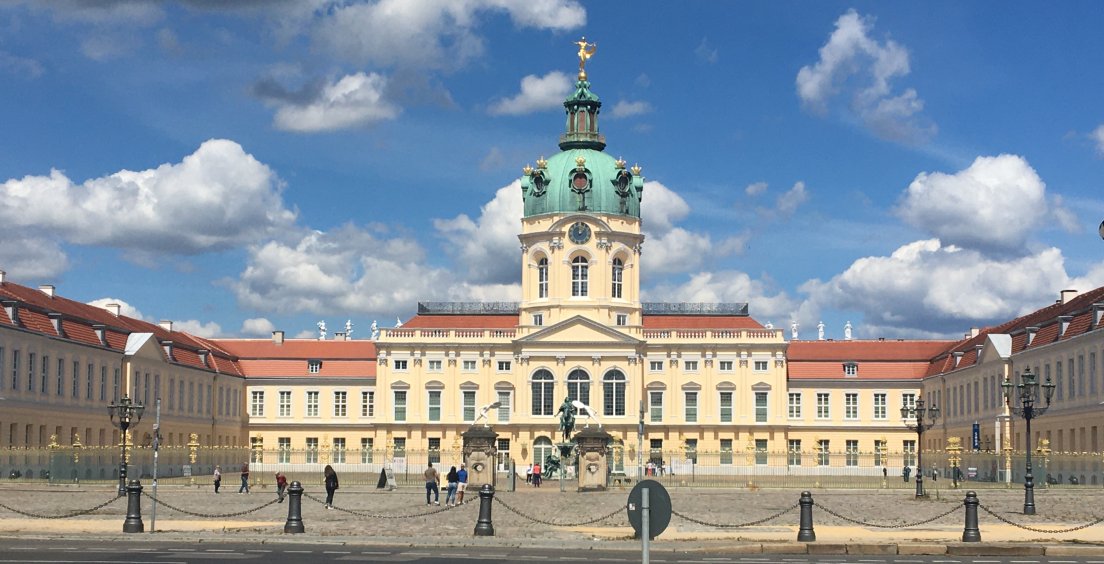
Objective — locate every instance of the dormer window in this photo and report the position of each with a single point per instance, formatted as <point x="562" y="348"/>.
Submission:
<point x="850" y="369"/>
<point x="314" y="366"/>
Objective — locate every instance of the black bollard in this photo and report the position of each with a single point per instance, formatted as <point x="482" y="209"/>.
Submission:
<point x="805" y="532"/>
<point x="971" y="533"/>
<point x="295" y="509"/>
<point x="484" y="527"/>
<point x="133" y="522"/>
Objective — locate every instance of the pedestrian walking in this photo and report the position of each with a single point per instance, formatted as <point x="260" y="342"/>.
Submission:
<point x="432" y="479"/>
<point x="218" y="477"/>
<point x="453" y="480"/>
<point x="537" y="475"/>
<point x="529" y="474"/>
<point x="905" y="473"/>
<point x="331" y="485"/>
<point x="281" y="486"/>
<point x="463" y="485"/>
<point x="245" y="478"/>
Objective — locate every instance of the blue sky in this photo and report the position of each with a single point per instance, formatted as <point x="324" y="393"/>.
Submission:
<point x="913" y="169"/>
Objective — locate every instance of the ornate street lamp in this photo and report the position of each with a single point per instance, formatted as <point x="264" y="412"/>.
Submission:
<point x="919" y="417"/>
<point x="123" y="415"/>
<point x="1027" y="392"/>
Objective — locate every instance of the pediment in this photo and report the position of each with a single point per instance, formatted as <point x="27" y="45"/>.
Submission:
<point x="997" y="347"/>
<point x="579" y="329"/>
<point x="144" y="345"/>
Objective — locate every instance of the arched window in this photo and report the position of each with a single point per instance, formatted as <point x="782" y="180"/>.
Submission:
<point x="542" y="384"/>
<point x="618" y="275"/>
<point x="579" y="267"/>
<point x="542" y="448"/>
<point x="613" y="393"/>
<point x="578" y="386"/>
<point x="542" y="278"/>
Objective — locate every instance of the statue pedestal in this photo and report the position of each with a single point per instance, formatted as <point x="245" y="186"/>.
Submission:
<point x="480" y="450"/>
<point x="593" y="444"/>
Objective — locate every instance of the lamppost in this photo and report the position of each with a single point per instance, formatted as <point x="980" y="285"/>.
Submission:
<point x="1027" y="392"/>
<point x="919" y="417"/>
<point x="123" y="415"/>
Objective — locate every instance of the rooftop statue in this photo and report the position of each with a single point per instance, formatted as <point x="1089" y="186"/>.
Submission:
<point x="847" y="331"/>
<point x="820" y="331"/>
<point x="793" y="330"/>
<point x="321" y="330"/>
<point x="584" y="55"/>
<point x="375" y="331"/>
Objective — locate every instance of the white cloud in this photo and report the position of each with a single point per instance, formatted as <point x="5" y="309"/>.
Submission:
<point x="789" y="201"/>
<point x="440" y="35"/>
<point x="488" y="246"/>
<point x="755" y="188"/>
<point x="354" y="100"/>
<point x="216" y="198"/>
<point x="662" y="208"/>
<point x="28" y="257"/>
<point x="765" y="302"/>
<point x="20" y="66"/>
<point x="257" y="326"/>
<point x="851" y="60"/>
<point x="624" y="108"/>
<point x="705" y="52"/>
<point x="537" y="93"/>
<point x="125" y="308"/>
<point x="190" y="326"/>
<point x="926" y="287"/>
<point x="494" y="159"/>
<point x="993" y="205"/>
<point x="1098" y="137"/>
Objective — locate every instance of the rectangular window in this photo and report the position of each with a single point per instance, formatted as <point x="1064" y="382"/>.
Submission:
<point x="285" y="404"/>
<point x="469" y="405"/>
<point x="503" y="406"/>
<point x="103" y="385"/>
<point x="823" y="407"/>
<point x="726" y="451"/>
<point x="1058" y="393"/>
<point x="793" y="407"/>
<point x="655" y="406"/>
<point x="368" y="404"/>
<point x="823" y="452"/>
<point x="312" y="450"/>
<point x="400" y="405"/>
<point x="76" y="379"/>
<point x="879" y="453"/>
<point x="400" y="447"/>
<point x="880" y="403"/>
<point x="851" y="405"/>
<point x="538" y="319"/>
<point x="725" y="365"/>
<point x="909" y="448"/>
<point x="760" y="365"/>
<point x="655" y="365"/>
<point x="341" y="403"/>
<point x="45" y="380"/>
<point x="851" y="452"/>
<point x="15" y="371"/>
<point x="469" y="366"/>
<point x="283" y="450"/>
<point x="31" y="372"/>
<point x="760" y="452"/>
<point x="434" y="405"/>
<point x="793" y="452"/>
<point x="339" y="450"/>
<point x="88" y="382"/>
<point x="503" y="366"/>
<point x="908" y="400"/>
<point x="256" y="406"/>
<point x="726" y="407"/>
<point x="435" y="365"/>
<point x="692" y="450"/>
<point x="366" y="446"/>
<point x="691" y="404"/>
<point x="690" y="366"/>
<point x="314" y="366"/>
<point x="312" y="403"/>
<point x="850" y="369"/>
<point x="400" y="365"/>
<point x="622" y="319"/>
<point x="172" y="392"/>
<point x="760" y="407"/>
<point x="434" y="449"/>
<point x="60" y="375"/>
<point x="1072" y="387"/>
<point x="1092" y="373"/>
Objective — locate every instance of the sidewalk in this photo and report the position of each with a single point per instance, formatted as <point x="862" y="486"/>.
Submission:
<point x="368" y="516"/>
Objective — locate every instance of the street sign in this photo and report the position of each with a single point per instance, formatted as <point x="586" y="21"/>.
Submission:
<point x="659" y="508"/>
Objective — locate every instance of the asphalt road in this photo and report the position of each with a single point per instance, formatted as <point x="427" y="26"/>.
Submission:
<point x="39" y="551"/>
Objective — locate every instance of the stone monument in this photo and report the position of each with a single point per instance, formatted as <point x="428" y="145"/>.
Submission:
<point x="593" y="449"/>
<point x="480" y="450"/>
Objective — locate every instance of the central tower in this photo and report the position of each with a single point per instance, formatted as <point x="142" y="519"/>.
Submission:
<point x="580" y="233"/>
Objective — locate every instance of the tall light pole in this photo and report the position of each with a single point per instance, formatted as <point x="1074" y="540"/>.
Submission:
<point x="123" y="415"/>
<point x="1027" y="392"/>
<point x="919" y="417"/>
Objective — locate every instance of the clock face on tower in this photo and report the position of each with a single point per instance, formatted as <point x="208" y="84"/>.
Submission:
<point x="579" y="233"/>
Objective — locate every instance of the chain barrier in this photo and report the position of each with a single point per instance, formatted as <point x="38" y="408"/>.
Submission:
<point x="77" y="513"/>
<point x="1039" y="530"/>
<point x="358" y="513"/>
<point x="880" y="526"/>
<point x="737" y="525"/>
<point x="554" y="524"/>
<point x="209" y="515"/>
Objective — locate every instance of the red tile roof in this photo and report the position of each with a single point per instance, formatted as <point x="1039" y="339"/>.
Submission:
<point x="866" y="370"/>
<point x="700" y="322"/>
<point x="297" y="349"/>
<point x="858" y="351"/>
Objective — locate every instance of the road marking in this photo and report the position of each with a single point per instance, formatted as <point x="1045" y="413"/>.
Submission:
<point x="220" y="550"/>
<point x="259" y="551"/>
<point x="179" y="549"/>
<point x="376" y="552"/>
<point x="336" y="552"/>
<point x="1024" y="561"/>
<point x="299" y="551"/>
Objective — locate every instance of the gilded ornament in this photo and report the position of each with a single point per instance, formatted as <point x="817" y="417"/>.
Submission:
<point x="620" y="163"/>
<point x="542" y="163"/>
<point x="635" y="170"/>
<point x="527" y="170"/>
<point x="580" y="162"/>
<point x="586" y="51"/>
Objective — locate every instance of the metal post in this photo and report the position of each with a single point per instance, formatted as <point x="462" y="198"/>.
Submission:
<point x="805" y="532"/>
<point x="484" y="527"/>
<point x="294" y="522"/>
<point x="645" y="517"/>
<point x="1029" y="480"/>
<point x="971" y="533"/>
<point x="919" y="458"/>
<point x="156" y="446"/>
<point x="640" y="445"/>
<point x="123" y="426"/>
<point x="513" y="476"/>
<point x="133" y="522"/>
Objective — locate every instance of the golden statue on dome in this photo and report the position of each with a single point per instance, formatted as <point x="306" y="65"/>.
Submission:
<point x="584" y="55"/>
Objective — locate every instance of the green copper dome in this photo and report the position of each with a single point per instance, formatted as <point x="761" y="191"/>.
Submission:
<point x="582" y="178"/>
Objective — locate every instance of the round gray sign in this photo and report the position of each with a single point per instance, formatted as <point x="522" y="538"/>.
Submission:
<point x="659" y="508"/>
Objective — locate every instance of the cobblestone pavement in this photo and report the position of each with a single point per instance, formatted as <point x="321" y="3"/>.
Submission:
<point x="551" y="516"/>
